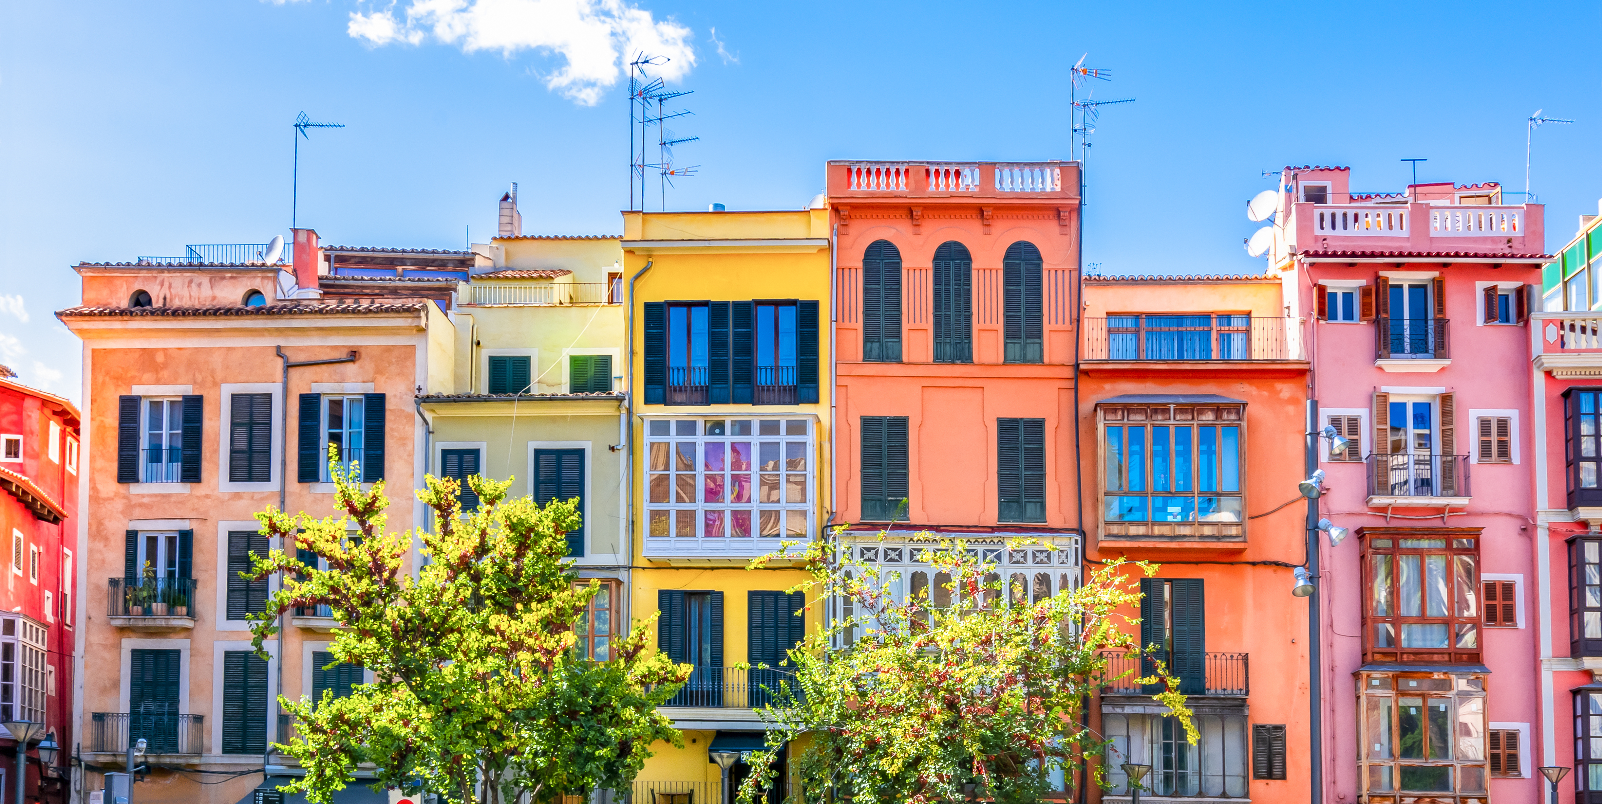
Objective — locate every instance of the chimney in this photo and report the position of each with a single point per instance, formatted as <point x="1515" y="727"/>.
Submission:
<point x="511" y="223"/>
<point x="307" y="257"/>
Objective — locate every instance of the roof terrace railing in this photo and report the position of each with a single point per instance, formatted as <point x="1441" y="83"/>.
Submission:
<point x="221" y="254"/>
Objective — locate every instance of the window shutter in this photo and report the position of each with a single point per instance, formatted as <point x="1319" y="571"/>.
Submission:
<point x="1367" y="303"/>
<point x="579" y="371"/>
<point x="244" y="703"/>
<point x="1348" y="427"/>
<point x="1439" y="300"/>
<point x="872" y="468"/>
<point x="153" y="677"/>
<point x="601" y="374"/>
<point x="1503" y="750"/>
<point x="308" y="462"/>
<point x="882" y="303"/>
<point x="1010" y="485"/>
<point x="1022" y="324"/>
<point x="250" y="438"/>
<point x="560" y="475"/>
<point x="461" y="464"/>
<point x="952" y="271"/>
<point x="189" y="470"/>
<point x="896" y="467"/>
<point x="341" y="679"/>
<point x="1484" y="439"/>
<point x="654" y="347"/>
<point x="518" y="373"/>
<point x="741" y="316"/>
<point x="131" y="559"/>
<point x="1523" y="303"/>
<point x="1186" y="617"/>
<point x="1380" y="444"/>
<point x="128" y="439"/>
<point x="1033" y="469"/>
<point x="1269" y="751"/>
<point x="1501" y="440"/>
<point x="185" y="560"/>
<point x="1489" y="304"/>
<point x="497" y="382"/>
<point x="807" y="351"/>
<point x="373" y="437"/>
<point x="718" y="353"/>
<point x="1445" y="439"/>
<point x="764" y="628"/>
<point x="245" y="597"/>
<point x="1322" y="302"/>
<point x="715" y="602"/>
<point x="671" y="623"/>
<point x="1498" y="609"/>
<point x="1152" y="628"/>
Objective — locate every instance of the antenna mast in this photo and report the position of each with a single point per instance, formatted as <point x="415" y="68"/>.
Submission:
<point x="1532" y="122"/>
<point x="1086" y="110"/>
<point x="665" y="146"/>
<point x="301" y="124"/>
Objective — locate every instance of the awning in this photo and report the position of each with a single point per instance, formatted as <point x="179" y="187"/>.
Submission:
<point x="737" y="741"/>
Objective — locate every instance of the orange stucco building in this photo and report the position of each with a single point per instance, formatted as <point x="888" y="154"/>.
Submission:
<point x="1191" y="418"/>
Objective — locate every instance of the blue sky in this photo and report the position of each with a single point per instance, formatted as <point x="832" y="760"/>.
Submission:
<point x="129" y="129"/>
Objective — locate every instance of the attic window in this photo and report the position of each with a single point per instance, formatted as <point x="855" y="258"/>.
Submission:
<point x="254" y="298"/>
<point x="139" y="299"/>
<point x="1316" y="193"/>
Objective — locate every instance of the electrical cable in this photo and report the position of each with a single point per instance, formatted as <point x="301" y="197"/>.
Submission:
<point x="1278" y="507"/>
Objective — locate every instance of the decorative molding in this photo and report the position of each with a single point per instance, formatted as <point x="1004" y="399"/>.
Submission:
<point x="985" y="220"/>
<point x="916" y="212"/>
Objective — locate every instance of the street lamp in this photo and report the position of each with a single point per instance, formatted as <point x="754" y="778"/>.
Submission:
<point x="1553" y="774"/>
<point x="725" y="760"/>
<point x="1339" y="445"/>
<point x="136" y="748"/>
<point x="1134" y="774"/>
<point x="1302" y="583"/>
<point x="1333" y="530"/>
<point x="1311" y="488"/>
<point x="24" y="731"/>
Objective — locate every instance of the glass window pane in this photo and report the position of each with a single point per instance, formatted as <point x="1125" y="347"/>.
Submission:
<point x="1437" y="729"/>
<point x="659" y="523"/>
<point x="1436" y="586"/>
<point x="1381" y="779"/>
<point x="1230" y="460"/>
<point x="741" y="524"/>
<point x="1465" y="593"/>
<point x="796" y="488"/>
<point x="796" y="456"/>
<point x="712" y="488"/>
<point x="768" y="488"/>
<point x="698" y="336"/>
<point x="1426" y="778"/>
<point x="712" y="524"/>
<point x="1412" y="728"/>
<point x="685" y="456"/>
<point x="768" y="456"/>
<point x="1465" y="635"/>
<point x="713" y="456"/>
<point x="1125" y="509"/>
<point x="1207" y="459"/>
<point x="658" y="451"/>
<point x="1425" y="635"/>
<point x="1381" y="585"/>
<point x="1409" y="586"/>
<point x="1378" y="727"/>
<point x="657" y="427"/>
<point x="1137" y="480"/>
<point x="685" y="524"/>
<point x="1470" y="736"/>
<point x="796" y="524"/>
<point x="740" y="488"/>
<point x="741" y="456"/>
<point x="1219" y="509"/>
<point x="768" y="427"/>
<point x="1183" y="459"/>
<point x="1386" y="636"/>
<point x="1115" y="445"/>
<point x="1161" y="458"/>
<point x="768" y="524"/>
<point x="658" y="488"/>
<point x="1173" y="509"/>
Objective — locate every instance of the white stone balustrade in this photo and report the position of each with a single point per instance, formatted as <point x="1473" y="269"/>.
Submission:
<point x="1477" y="221"/>
<point x="879" y="176"/>
<point x="1361" y="220"/>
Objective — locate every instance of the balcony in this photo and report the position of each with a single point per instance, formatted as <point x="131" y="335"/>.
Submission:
<point x="1567" y="343"/>
<point x="675" y="793"/>
<point x="161" y="465"/>
<point x="1200" y="337"/>
<point x="1411" y="344"/>
<point x="996" y="180"/>
<point x="541" y="294"/>
<point x="222" y="254"/>
<point x="722" y="693"/>
<point x="1418" y="480"/>
<point x="170" y="735"/>
<point x="775" y="385"/>
<point x="687" y="385"/>
<point x="314" y="618"/>
<point x="151" y="604"/>
<point x="1420" y="228"/>
<point x="1224" y="675"/>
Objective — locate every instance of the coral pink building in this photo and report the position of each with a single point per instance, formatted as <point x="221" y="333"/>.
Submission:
<point x="1416" y="311"/>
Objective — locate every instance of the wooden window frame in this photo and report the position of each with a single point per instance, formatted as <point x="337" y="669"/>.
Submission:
<point x="1349" y="426"/>
<point x="1489" y="439"/>
<point x="1458" y="542"/>
<point x="1190" y="416"/>
<point x="1273" y="738"/>
<point x="611" y="591"/>
<point x="1215" y="329"/>
<point x="1576" y="496"/>
<point x="1380" y="777"/>
<point x="1500" y="603"/>
<point x="1503" y="752"/>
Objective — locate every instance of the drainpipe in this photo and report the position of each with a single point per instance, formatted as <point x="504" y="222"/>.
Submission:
<point x="283" y="486"/>
<point x="629" y="430"/>
<point x="428" y="432"/>
<point x="1311" y="462"/>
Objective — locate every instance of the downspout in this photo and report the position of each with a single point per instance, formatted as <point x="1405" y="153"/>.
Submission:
<point x="428" y="433"/>
<point x="629" y="430"/>
<point x="1080" y="505"/>
<point x="829" y="608"/>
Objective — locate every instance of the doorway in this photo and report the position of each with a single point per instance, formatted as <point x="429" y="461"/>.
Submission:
<point x="1411" y="326"/>
<point x="1412" y="437"/>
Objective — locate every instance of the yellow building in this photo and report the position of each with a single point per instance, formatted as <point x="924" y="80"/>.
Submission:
<point x="730" y="358"/>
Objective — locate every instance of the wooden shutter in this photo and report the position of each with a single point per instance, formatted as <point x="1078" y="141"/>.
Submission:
<point x="1503" y="752"/>
<point x="1383" y="310"/>
<point x="1010" y="484"/>
<point x="1153" y="632"/>
<point x="715" y="602"/>
<point x="1492" y="439"/>
<point x="872" y="468"/>
<point x="671" y="623"/>
<point x="882" y="303"/>
<point x="654" y="348"/>
<point x="509" y="374"/>
<point x="1489" y="304"/>
<point x="1523" y="302"/>
<point x="773" y="627"/>
<point x="1022" y="313"/>
<point x="340" y="679"/>
<point x="250" y="438"/>
<point x="1033" y="469"/>
<point x="1439" y="298"/>
<point x="373" y="437"/>
<point x="497" y="383"/>
<point x="718" y="353"/>
<point x="1367" y="303"/>
<point x="896" y="463"/>
<point x="1347" y="427"/>
<point x="601" y="374"/>
<point x="1380" y="443"/>
<point x="952" y="271"/>
<point x="245" y="597"/>
<point x="807" y="351"/>
<point x="1498" y="604"/>
<point x="185" y="560"/>
<point x="1186" y="620"/>
<point x="1322" y="302"/>
<point x="462" y="464"/>
<point x="560" y="475"/>
<point x="742" y="314"/>
<point x="131" y="559"/>
<point x="189" y="470"/>
<point x="128" y="439"/>
<point x="308" y="461"/>
<point x="244" y="702"/>
<point x="1269" y="751"/>
<point x="153" y="680"/>
<point x="579" y="371"/>
<point x="1445" y="449"/>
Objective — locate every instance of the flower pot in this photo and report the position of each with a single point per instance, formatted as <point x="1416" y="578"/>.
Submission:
<point x="180" y="611"/>
<point x="136" y="611"/>
<point x="159" y="609"/>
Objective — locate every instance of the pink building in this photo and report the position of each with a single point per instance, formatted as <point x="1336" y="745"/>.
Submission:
<point x="1415" y="310"/>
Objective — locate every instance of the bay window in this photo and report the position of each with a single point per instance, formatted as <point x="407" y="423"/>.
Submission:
<point x="1587" y="722"/>
<point x="1581" y="447"/>
<point x="1423" y="596"/>
<point x="1172" y="471"/>
<point x="1422" y="733"/>
<point x="1586" y="595"/>
<point x="723" y="485"/>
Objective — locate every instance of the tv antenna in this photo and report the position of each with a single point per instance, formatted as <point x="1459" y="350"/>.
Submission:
<point x="1533" y="122"/>
<point x="639" y="89"/>
<point x="1086" y="110"/>
<point x="666" y="140"/>
<point x="1414" y="176"/>
<point x="301" y="124"/>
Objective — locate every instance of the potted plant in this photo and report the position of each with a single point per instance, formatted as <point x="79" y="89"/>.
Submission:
<point x="133" y="600"/>
<point x="180" y="603"/>
<point x="147" y="593"/>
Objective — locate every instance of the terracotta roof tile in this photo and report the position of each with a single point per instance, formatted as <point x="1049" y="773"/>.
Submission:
<point x="381" y="250"/>
<point x="1178" y="278"/>
<point x="170" y="265"/>
<point x="282" y="308"/>
<point x="562" y="237"/>
<point x="1316" y="167"/>
<point x="524" y="273"/>
<point x="30" y="495"/>
<point x="330" y="278"/>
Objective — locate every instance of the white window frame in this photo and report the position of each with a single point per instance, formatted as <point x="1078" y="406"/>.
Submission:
<point x="1354" y="286"/>
<point x="34" y="648"/>
<point x="585" y="498"/>
<point x="50" y="680"/>
<point x="218" y="649"/>
<point x="1303" y="191"/>
<point x="1481" y="311"/>
<point x="439" y="464"/>
<point x="221" y="620"/>
<point x="33" y="564"/>
<point x="225" y="435"/>
<point x="726" y="545"/>
<point x="53" y="449"/>
<point x="483" y="385"/>
<point x="1520" y="599"/>
<point x="72" y="455"/>
<point x="323" y="431"/>
<point x="1514" y="433"/>
<point x="582" y="350"/>
<point x="1364" y="433"/>
<point x="144" y="438"/>
<point x="130" y="644"/>
<point x="50" y="606"/>
<point x="1525" y="730"/>
<point x="8" y="438"/>
<point x="309" y="648"/>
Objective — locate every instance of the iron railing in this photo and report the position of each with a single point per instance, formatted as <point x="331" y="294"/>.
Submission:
<point x="162" y="465"/>
<point x="1223" y="674"/>
<point x="346" y="460"/>
<point x="687" y="385"/>
<point x="674" y="792"/>
<point x="542" y="294"/>
<point x="222" y="254"/>
<point x="151" y="597"/>
<point x="1414" y="474"/>
<point x="319" y="610"/>
<point x="1403" y="338"/>
<point x="733" y="688"/>
<point x="1203" y="336"/>
<point x="163" y="733"/>
<point x="776" y="385"/>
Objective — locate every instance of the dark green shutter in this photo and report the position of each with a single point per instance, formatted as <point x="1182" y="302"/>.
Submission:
<point x="496" y="383"/>
<point x="1269" y="751"/>
<point x="189" y="470"/>
<point x="882" y="303"/>
<point x="153" y="677"/>
<point x="128" y="439"/>
<point x="655" y="352"/>
<point x="1153" y="630"/>
<point x="601" y="374"/>
<point x="250" y="438"/>
<point x="244" y="702"/>
<point x="1010" y="470"/>
<point x="671" y="623"/>
<point x="742" y="314"/>
<point x="309" y="463"/>
<point x="186" y="553"/>
<point x="1186" y="618"/>
<point x="1022" y="313"/>
<point x="807" y="351"/>
<point x="773" y="627"/>
<point x="372" y="438"/>
<point x="131" y="559"/>
<point x="462" y="464"/>
<point x="579" y="371"/>
<point x="1033" y="469"/>
<point x="952" y="273"/>
<point x="884" y="473"/>
<point x="245" y="597"/>
<point x="560" y="475"/>
<point x="715" y="602"/>
<point x="341" y="679"/>
<point x="718" y="353"/>
<point x="509" y="374"/>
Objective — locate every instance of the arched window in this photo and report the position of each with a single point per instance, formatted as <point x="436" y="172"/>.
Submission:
<point x="953" y="308"/>
<point x="1022" y="304"/>
<point x="254" y="298"/>
<point x="139" y="299"/>
<point x="882" y="303"/>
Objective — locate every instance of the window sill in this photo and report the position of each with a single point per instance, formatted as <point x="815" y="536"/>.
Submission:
<point x="228" y="487"/>
<point x="1164" y="532"/>
<point x="152" y="623"/>
<point x="328" y="488"/>
<point x="1589" y="512"/>
<point x="1389" y="501"/>
<point x="728" y="547"/>
<point x="1408" y="365"/>
<point x="158" y="488"/>
<point x="322" y="625"/>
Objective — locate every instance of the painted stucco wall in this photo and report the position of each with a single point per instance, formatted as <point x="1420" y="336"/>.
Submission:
<point x="175" y="286"/>
<point x="549" y="333"/>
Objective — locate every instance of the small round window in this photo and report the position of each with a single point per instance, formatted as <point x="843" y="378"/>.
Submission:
<point x="139" y="299"/>
<point x="255" y="298"/>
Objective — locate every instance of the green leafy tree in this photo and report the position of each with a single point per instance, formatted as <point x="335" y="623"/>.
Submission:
<point x="479" y="692"/>
<point x="907" y="701"/>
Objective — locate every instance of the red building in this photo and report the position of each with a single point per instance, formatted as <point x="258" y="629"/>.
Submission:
<point x="39" y="475"/>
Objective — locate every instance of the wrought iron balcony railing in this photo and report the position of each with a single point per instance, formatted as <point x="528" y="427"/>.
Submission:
<point x="1411" y="338"/>
<point x="152" y="597"/>
<point x="163" y="733"/>
<point x="161" y="465"/>
<point x="1416" y="474"/>
<point x="776" y="385"/>
<point x="732" y="688"/>
<point x="687" y="385"/>
<point x="1224" y="674"/>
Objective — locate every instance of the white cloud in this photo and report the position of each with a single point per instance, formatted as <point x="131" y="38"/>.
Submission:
<point x="712" y="33"/>
<point x="10" y="347"/>
<point x="46" y="378"/>
<point x="13" y="305"/>
<point x="596" y="39"/>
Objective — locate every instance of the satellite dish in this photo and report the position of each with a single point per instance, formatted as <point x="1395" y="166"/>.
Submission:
<point x="1262" y="206"/>
<point x="1261" y="241"/>
<point x="275" y="247"/>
